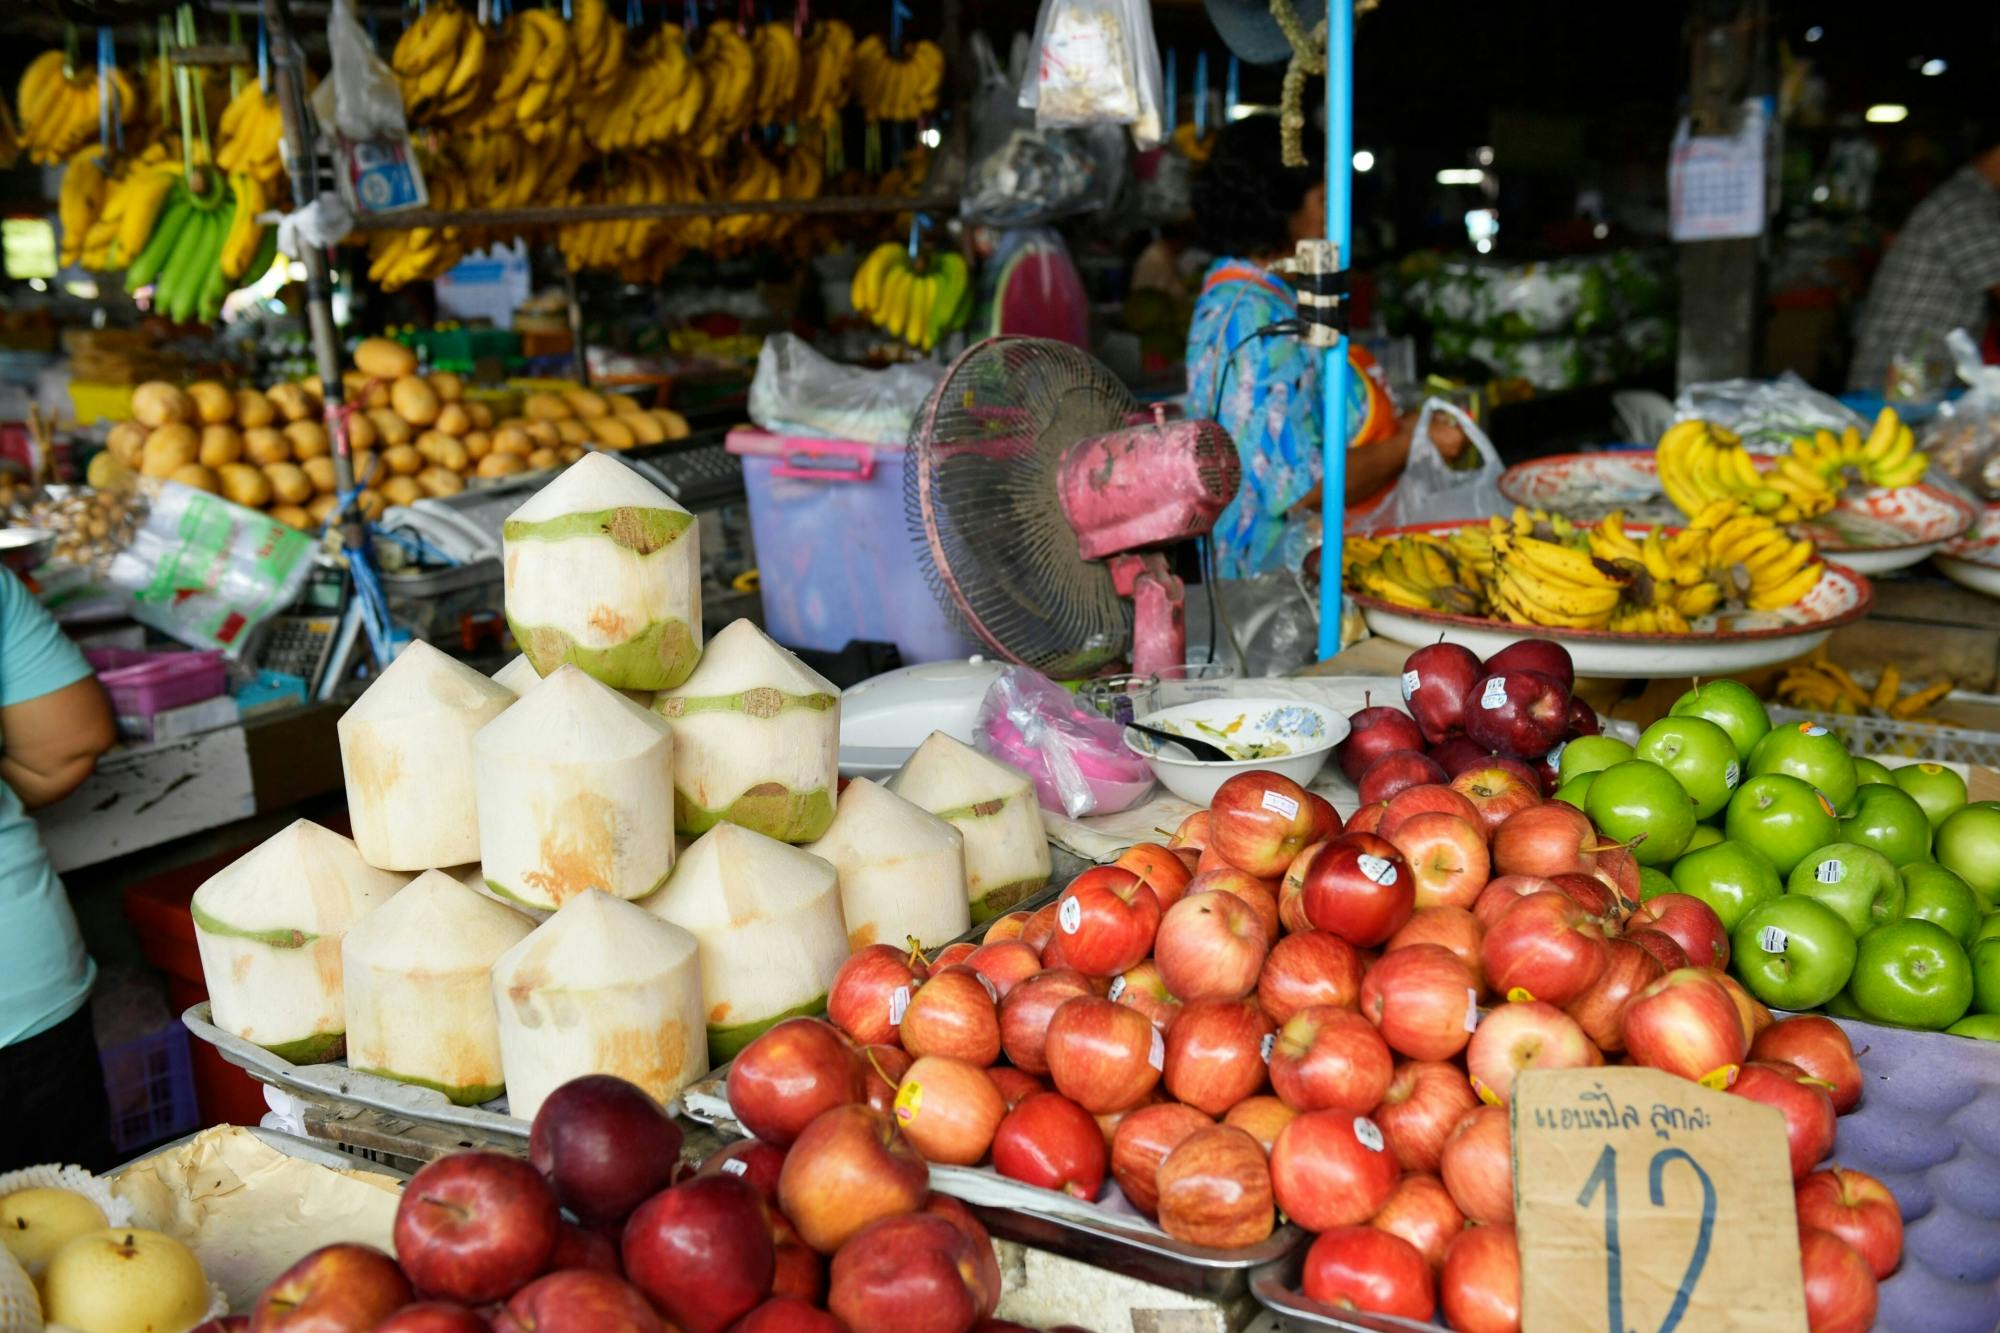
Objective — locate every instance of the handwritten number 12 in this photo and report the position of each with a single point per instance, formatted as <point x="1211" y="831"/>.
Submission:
<point x="1605" y="1177"/>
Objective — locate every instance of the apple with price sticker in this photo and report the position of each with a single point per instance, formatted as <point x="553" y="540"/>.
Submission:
<point x="863" y="993"/>
<point x="1699" y="754"/>
<point x="1936" y="788"/>
<point x="1332" y="1169"/>
<point x="1516" y="1037"/>
<point x="1372" y="733"/>
<point x="1359" y="888"/>
<point x="1103" y="1056"/>
<point x="1686" y="1024"/>
<point x="1522" y="713"/>
<point x="1812" y="754"/>
<point x="1794" y="953"/>
<point x="1447" y="857"/>
<point x="1144" y="989"/>
<point x="1423" y="999"/>
<point x="1106" y="919"/>
<point x="1437" y="686"/>
<point x="1858" y="883"/>
<point x="1258" y="821"/>
<point x="1784" y="818"/>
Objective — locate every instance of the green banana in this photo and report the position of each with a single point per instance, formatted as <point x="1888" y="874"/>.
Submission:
<point x="160" y="245"/>
<point x="177" y="289"/>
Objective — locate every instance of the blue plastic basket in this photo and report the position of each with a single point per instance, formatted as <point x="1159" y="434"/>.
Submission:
<point x="150" y="1083"/>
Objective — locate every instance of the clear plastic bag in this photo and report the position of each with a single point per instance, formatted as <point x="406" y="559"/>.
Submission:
<point x="1766" y="414"/>
<point x="1431" y="490"/>
<point x="1963" y="440"/>
<point x="796" y="391"/>
<point x="1096" y="63"/>
<point x="1076" y="759"/>
<point x="367" y="103"/>
<point x="1026" y="176"/>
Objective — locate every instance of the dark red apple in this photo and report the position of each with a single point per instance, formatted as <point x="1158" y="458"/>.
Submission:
<point x="907" y="1273"/>
<point x="578" y="1301"/>
<point x="755" y="1161"/>
<point x="1372" y="733"/>
<point x="1359" y="888"/>
<point x="790" y="1073"/>
<point x="702" y="1251"/>
<point x="475" y="1226"/>
<point x="1050" y="1141"/>
<point x="432" y="1317"/>
<point x="337" y="1287"/>
<point x="1661" y="945"/>
<point x="1398" y="770"/>
<point x="604" y="1146"/>
<point x="1437" y="687"/>
<point x="1543" y="655"/>
<point x="1690" y="923"/>
<point x="1455" y="754"/>
<point x="788" y="1314"/>
<point x="1522" y="713"/>
<point x="580" y="1247"/>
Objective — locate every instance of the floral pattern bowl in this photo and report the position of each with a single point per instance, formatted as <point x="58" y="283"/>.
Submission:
<point x="1282" y="735"/>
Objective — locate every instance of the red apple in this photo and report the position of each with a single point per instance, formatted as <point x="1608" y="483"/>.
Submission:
<point x="1453" y="927"/>
<point x="948" y="1110"/>
<point x="1329" y="1058"/>
<point x="1159" y="869"/>
<point x="1264" y="905"/>
<point x="1593" y="895"/>
<point x="1211" y="859"/>
<point x="578" y="1301"/>
<point x="1619" y="870"/>
<point x="1326" y="819"/>
<point x="1750" y="1011"/>
<point x="882" y="1068"/>
<point x="1106" y="918"/>
<point x="702" y="1251"/>
<point x="1312" y="968"/>
<point x="790" y="1073"/>
<point x="1820" y="1047"/>
<point x="1840" y="1290"/>
<point x="1497" y="789"/>
<point x="851" y="1167"/>
<point x="1437" y="688"/>
<point x="1331" y="1169"/>
<point x="787" y="1314"/>
<point x="1372" y="733"/>
<point x="953" y="1014"/>
<point x="1397" y="772"/>
<point x="986" y="1282"/>
<point x="1006" y="927"/>
<point x="1522" y="713"/>
<point x="1530" y="1035"/>
<point x="1050" y="1141"/>
<point x="1545" y="948"/>
<point x="605" y="1147"/>
<point x="757" y="1162"/>
<point x="1103" y="1056"/>
<point x="1690" y="922"/>
<point x="1686" y="1024"/>
<point x="1040" y="928"/>
<point x="1367" y="819"/>
<point x="1429" y="799"/>
<point x="1661" y="945"/>
<point x="1423" y="1000"/>
<point x="1215" y="1189"/>
<point x="1543" y="655"/>
<point x="336" y="1288"/>
<point x="1502" y="892"/>
<point x="1420" y="1210"/>
<point x="954" y="953"/>
<point x="1455" y="754"/>
<point x="1447" y="858"/>
<point x="1144" y="989"/>
<point x="1600" y="1010"/>
<point x="1477" y="1165"/>
<point x="865" y="991"/>
<point x="1215" y="1054"/>
<point x="434" y="1317"/>
<point x="1291" y="892"/>
<point x="1857" y="1208"/>
<point x="1425" y="1101"/>
<point x="1193" y="832"/>
<point x="1211" y="946"/>
<point x="1582" y="718"/>
<point x="475" y="1226"/>
<point x="914" y="1273"/>
<point x="1808" y="1111"/>
<point x="1553" y="838"/>
<point x="1024" y="1015"/>
<point x="1142" y="1141"/>
<point x="1479" y="1289"/>
<point x="1005" y="963"/>
<point x="1369" y="1269"/>
<point x="1262" y="1117"/>
<point x="1359" y="888"/>
<point x="580" y="1247"/>
<point x="1014" y="1086"/>
<point x="1259" y="821"/>
<point x="798" y="1270"/>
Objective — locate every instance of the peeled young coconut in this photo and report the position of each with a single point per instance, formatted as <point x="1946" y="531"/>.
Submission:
<point x="993" y="805"/>
<point x="474" y="877"/>
<point x="901" y="869"/>
<point x="603" y="987"/>
<point x="604" y="570"/>
<point x="406" y="748"/>
<point x="575" y="786"/>
<point x="518" y="675"/>
<point x="768" y="918"/>
<point x="418" y="976"/>
<point x="756" y="739"/>
<point x="269" y="926"/>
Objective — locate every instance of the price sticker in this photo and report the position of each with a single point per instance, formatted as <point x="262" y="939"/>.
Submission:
<point x="1367" y="1133"/>
<point x="735" y="1166"/>
<point x="1647" y="1202"/>
<point x="1830" y="871"/>
<point x="1117" y="989"/>
<point x="1495" y="693"/>
<point x="1731" y="774"/>
<point x="899" y="1004"/>
<point x="1267" y="1045"/>
<point x="909" y="1101"/>
<point x="1157" y="1056"/>
<point x="1069" y="916"/>
<point x="1375" y="868"/>
<point x="1773" y="939"/>
<point x="1471" y="1009"/>
<point x="1811" y="729"/>
<point x="1281" y="805"/>
<point x="1411" y="683"/>
<point x="1554" y="758"/>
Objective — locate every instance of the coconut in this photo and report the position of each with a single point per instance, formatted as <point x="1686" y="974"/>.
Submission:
<point x="768" y="918"/>
<point x="901" y="869"/>
<point x="518" y="675"/>
<point x="575" y="792"/>
<point x="418" y="974"/>
<point x="269" y="926"/>
<point x="473" y="877"/>
<point x="406" y="747"/>
<point x="993" y="805"/>
<point x="756" y="739"/>
<point x="604" y="987"/>
<point x="604" y="570"/>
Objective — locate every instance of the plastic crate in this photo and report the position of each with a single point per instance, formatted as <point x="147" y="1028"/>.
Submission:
<point x="1888" y="737"/>
<point x="150" y="1083"/>
<point x="143" y="683"/>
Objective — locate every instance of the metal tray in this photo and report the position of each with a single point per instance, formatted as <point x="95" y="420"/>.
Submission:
<point x="291" y="1145"/>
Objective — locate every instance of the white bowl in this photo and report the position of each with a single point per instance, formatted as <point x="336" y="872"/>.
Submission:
<point x="1309" y="731"/>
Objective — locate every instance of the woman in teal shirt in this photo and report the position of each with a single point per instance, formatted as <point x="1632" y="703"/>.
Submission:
<point x="54" y="723"/>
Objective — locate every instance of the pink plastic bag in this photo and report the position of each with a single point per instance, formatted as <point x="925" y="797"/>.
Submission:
<point x="1076" y="759"/>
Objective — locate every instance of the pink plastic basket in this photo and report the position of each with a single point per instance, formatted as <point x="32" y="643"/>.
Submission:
<point x="144" y="683"/>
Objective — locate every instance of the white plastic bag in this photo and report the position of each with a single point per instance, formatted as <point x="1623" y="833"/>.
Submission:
<point x="1096" y="63"/>
<point x="796" y="391"/>
<point x="1963" y="440"/>
<point x="1767" y="415"/>
<point x="374" y="164"/>
<point x="1431" y="490"/>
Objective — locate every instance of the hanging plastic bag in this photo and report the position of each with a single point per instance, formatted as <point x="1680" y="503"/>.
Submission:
<point x="1432" y="489"/>
<point x="1096" y="63"/>
<point x="1076" y="759"/>
<point x="1963" y="440"/>
<point x="206" y="571"/>
<point x="362" y="102"/>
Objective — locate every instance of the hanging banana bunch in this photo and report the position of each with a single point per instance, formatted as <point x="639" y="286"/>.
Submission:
<point x="438" y="62"/>
<point x="56" y="105"/>
<point x="897" y="87"/>
<point x="397" y="258"/>
<point x="654" y="100"/>
<point x="826" y="66"/>
<point x="775" y="51"/>
<point x="599" y="43"/>
<point x="728" y="70"/>
<point x="248" y="135"/>
<point x="80" y="200"/>
<point x="919" y="305"/>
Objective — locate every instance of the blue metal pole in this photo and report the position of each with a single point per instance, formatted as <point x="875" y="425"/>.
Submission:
<point x="1333" y="375"/>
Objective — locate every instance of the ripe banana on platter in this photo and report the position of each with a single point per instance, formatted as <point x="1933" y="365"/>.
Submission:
<point x="917" y="307"/>
<point x="1888" y="457"/>
<point x="1700" y="463"/>
<point x="897" y="87"/>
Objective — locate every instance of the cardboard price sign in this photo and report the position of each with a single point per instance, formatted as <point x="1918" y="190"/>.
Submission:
<point x="1646" y="1204"/>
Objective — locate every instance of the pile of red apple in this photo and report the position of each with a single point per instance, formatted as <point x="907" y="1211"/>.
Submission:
<point x="604" y="1230"/>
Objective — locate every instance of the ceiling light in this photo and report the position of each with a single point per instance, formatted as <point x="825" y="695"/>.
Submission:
<point x="1932" y="68"/>
<point x="1461" y="176"/>
<point x="1886" y="113"/>
<point x="1364" y="161"/>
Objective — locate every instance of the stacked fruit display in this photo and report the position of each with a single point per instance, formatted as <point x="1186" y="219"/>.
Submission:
<point x="918" y="305"/>
<point x="87" y="1274"/>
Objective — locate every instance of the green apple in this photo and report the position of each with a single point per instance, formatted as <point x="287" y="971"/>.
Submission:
<point x="1985" y="957"/>
<point x="1731" y="877"/>
<point x="1589" y="754"/>
<point x="1643" y="806"/>
<point x="1731" y="705"/>
<point x="1986" y="1027"/>
<point x="1811" y="753"/>
<point x="1843" y="1006"/>
<point x="1912" y="973"/>
<point x="1933" y="893"/>
<point x="1576" y="791"/>
<point x="1781" y="816"/>
<point x="1936" y="788"/>
<point x="1969" y="842"/>
<point x="1704" y="835"/>
<point x="1653" y="882"/>
<point x="1792" y="952"/>
<point x="1858" y="883"/>
<point x="1888" y="819"/>
<point x="1989" y="928"/>
<point x="1868" y="770"/>
<point x="1699" y="754"/>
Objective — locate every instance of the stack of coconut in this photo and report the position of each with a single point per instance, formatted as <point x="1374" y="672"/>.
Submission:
<point x="411" y="435"/>
<point x="553" y="928"/>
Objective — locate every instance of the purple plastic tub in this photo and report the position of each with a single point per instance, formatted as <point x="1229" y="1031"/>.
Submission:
<point x="144" y="683"/>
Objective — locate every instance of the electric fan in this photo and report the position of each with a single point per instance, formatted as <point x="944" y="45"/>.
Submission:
<point x="1042" y="511"/>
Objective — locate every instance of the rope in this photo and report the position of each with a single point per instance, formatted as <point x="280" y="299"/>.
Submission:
<point x="1308" y="58"/>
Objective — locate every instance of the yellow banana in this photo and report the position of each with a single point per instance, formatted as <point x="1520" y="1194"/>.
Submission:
<point x="1788" y="592"/>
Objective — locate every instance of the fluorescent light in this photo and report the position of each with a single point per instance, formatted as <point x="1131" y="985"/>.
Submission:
<point x="1461" y="176"/>
<point x="1484" y="156"/>
<point x="38" y="285"/>
<point x="1814" y="33"/>
<point x="1364" y="161"/>
<point x="931" y="138"/>
<point x="1886" y="113"/>
<point x="1932" y="68"/>
<point x="1483" y="245"/>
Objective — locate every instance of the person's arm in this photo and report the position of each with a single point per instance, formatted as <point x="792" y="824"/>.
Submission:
<point x="52" y="741"/>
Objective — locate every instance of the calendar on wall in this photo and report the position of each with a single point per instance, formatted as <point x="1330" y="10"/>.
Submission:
<point x="1716" y="183"/>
